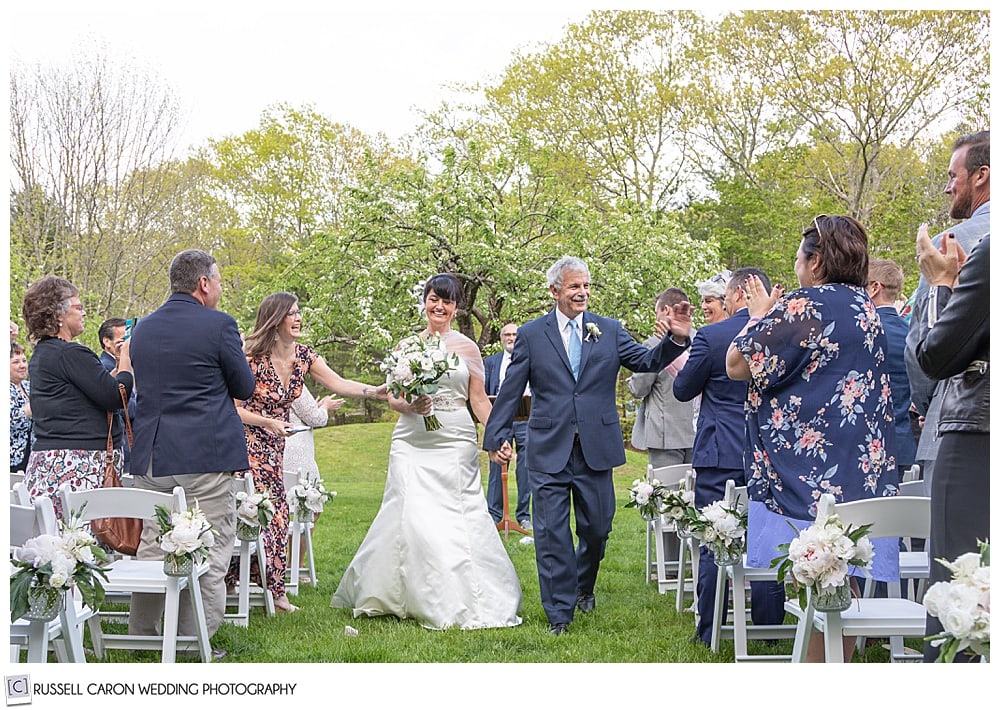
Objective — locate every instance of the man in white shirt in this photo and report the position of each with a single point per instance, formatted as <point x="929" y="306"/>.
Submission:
<point x="495" y="372"/>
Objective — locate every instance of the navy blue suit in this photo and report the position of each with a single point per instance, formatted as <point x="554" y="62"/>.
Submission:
<point x="190" y="361"/>
<point x="895" y="359"/>
<point x="719" y="442"/>
<point x="494" y="488"/>
<point x="576" y="441"/>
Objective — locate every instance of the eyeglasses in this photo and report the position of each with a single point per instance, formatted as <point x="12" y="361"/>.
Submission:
<point x="292" y="314"/>
<point x="78" y="306"/>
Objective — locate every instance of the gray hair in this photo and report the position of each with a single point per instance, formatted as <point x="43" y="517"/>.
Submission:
<point x="187" y="268"/>
<point x="567" y="263"/>
<point x="715" y="287"/>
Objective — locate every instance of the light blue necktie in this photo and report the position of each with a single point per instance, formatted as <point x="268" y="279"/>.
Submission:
<point x="574" y="349"/>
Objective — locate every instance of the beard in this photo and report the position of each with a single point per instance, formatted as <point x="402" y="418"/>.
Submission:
<point x="961" y="205"/>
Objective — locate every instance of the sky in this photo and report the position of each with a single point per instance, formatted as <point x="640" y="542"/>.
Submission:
<point x="370" y="64"/>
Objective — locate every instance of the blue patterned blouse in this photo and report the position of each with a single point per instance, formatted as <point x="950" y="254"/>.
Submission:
<point x="819" y="412"/>
<point x="20" y="426"/>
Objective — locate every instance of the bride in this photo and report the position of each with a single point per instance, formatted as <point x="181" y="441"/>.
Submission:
<point x="432" y="553"/>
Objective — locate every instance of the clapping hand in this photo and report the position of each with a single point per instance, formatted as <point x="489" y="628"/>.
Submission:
<point x="676" y="321"/>
<point x="330" y="404"/>
<point x="939" y="266"/>
<point x="759" y="301"/>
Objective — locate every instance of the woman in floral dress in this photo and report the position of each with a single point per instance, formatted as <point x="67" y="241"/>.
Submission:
<point x="280" y="364"/>
<point x="20" y="408"/>
<point x="819" y="408"/>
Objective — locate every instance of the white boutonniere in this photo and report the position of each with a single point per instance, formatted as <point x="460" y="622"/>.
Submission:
<point x="593" y="332"/>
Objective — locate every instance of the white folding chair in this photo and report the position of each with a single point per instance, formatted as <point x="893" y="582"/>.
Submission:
<point x="16" y="477"/>
<point x="249" y="595"/>
<point x="741" y="575"/>
<point x="893" y="517"/>
<point x="65" y="632"/>
<point x="19" y="494"/>
<point x="687" y="559"/>
<point x="658" y="532"/>
<point x="298" y="529"/>
<point x="131" y="576"/>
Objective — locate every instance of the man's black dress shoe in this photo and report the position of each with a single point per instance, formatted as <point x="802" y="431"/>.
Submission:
<point x="585" y="602"/>
<point x="696" y="639"/>
<point x="558" y="629"/>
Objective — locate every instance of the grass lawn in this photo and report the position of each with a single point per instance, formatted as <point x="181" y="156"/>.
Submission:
<point x="632" y="622"/>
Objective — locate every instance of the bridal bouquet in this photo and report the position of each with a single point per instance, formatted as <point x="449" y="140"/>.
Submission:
<point x="963" y="606"/>
<point x="253" y="511"/>
<point x="647" y="496"/>
<point x="185" y="537"/>
<point x="819" y="558"/>
<point x="48" y="565"/>
<point x="308" y="496"/>
<point x="723" y="529"/>
<point x="415" y="366"/>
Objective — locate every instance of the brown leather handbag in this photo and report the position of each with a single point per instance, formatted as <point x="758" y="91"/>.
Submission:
<point x="120" y="534"/>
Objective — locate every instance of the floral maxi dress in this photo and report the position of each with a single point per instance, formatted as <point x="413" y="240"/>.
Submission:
<point x="266" y="452"/>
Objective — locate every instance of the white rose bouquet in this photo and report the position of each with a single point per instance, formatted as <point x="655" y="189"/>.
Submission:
<point x="254" y="509"/>
<point x="647" y="496"/>
<point x="309" y="496"/>
<point x="963" y="606"/>
<point x="415" y="366"/>
<point x="820" y="556"/>
<point x="723" y="529"/>
<point x="52" y="564"/>
<point x="184" y="535"/>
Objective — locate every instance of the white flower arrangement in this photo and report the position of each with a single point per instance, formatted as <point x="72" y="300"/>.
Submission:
<point x="58" y="562"/>
<point x="820" y="557"/>
<point x="678" y="503"/>
<point x="185" y="534"/>
<point x="254" y="509"/>
<point x="593" y="332"/>
<point x="647" y="496"/>
<point x="309" y="495"/>
<point x="415" y="366"/>
<point x="963" y="606"/>
<point x="722" y="528"/>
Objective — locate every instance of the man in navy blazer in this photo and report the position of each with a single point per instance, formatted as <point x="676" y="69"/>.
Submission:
<point x="495" y="370"/>
<point x="189" y="357"/>
<point x="719" y="443"/>
<point x="885" y="283"/>
<point x="571" y="358"/>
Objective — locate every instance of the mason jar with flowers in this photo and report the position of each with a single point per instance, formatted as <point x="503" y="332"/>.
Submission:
<point x="253" y="511"/>
<point x="723" y="529"/>
<point x="48" y="565"/>
<point x="307" y="498"/>
<point x="185" y="537"/>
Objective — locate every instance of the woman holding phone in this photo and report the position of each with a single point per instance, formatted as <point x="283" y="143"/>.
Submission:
<point x="280" y="364"/>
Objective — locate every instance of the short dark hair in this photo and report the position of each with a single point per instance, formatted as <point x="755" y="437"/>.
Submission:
<point x="187" y="268"/>
<point x="45" y="302"/>
<point x="740" y="276"/>
<point x="842" y="244"/>
<point x="671" y="297"/>
<point x="446" y="286"/>
<point x="979" y="149"/>
<point x="107" y="329"/>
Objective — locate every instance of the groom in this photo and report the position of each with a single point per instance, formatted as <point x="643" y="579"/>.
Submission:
<point x="571" y="359"/>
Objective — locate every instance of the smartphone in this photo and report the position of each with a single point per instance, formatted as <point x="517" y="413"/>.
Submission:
<point x="129" y="325"/>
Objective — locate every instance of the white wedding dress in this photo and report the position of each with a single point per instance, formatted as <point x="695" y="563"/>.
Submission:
<point x="433" y="553"/>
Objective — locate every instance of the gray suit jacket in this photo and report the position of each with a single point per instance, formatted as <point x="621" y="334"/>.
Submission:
<point x="663" y="421"/>
<point x="923" y="388"/>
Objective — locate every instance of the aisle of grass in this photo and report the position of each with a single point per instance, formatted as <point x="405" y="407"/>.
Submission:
<point x="632" y="622"/>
